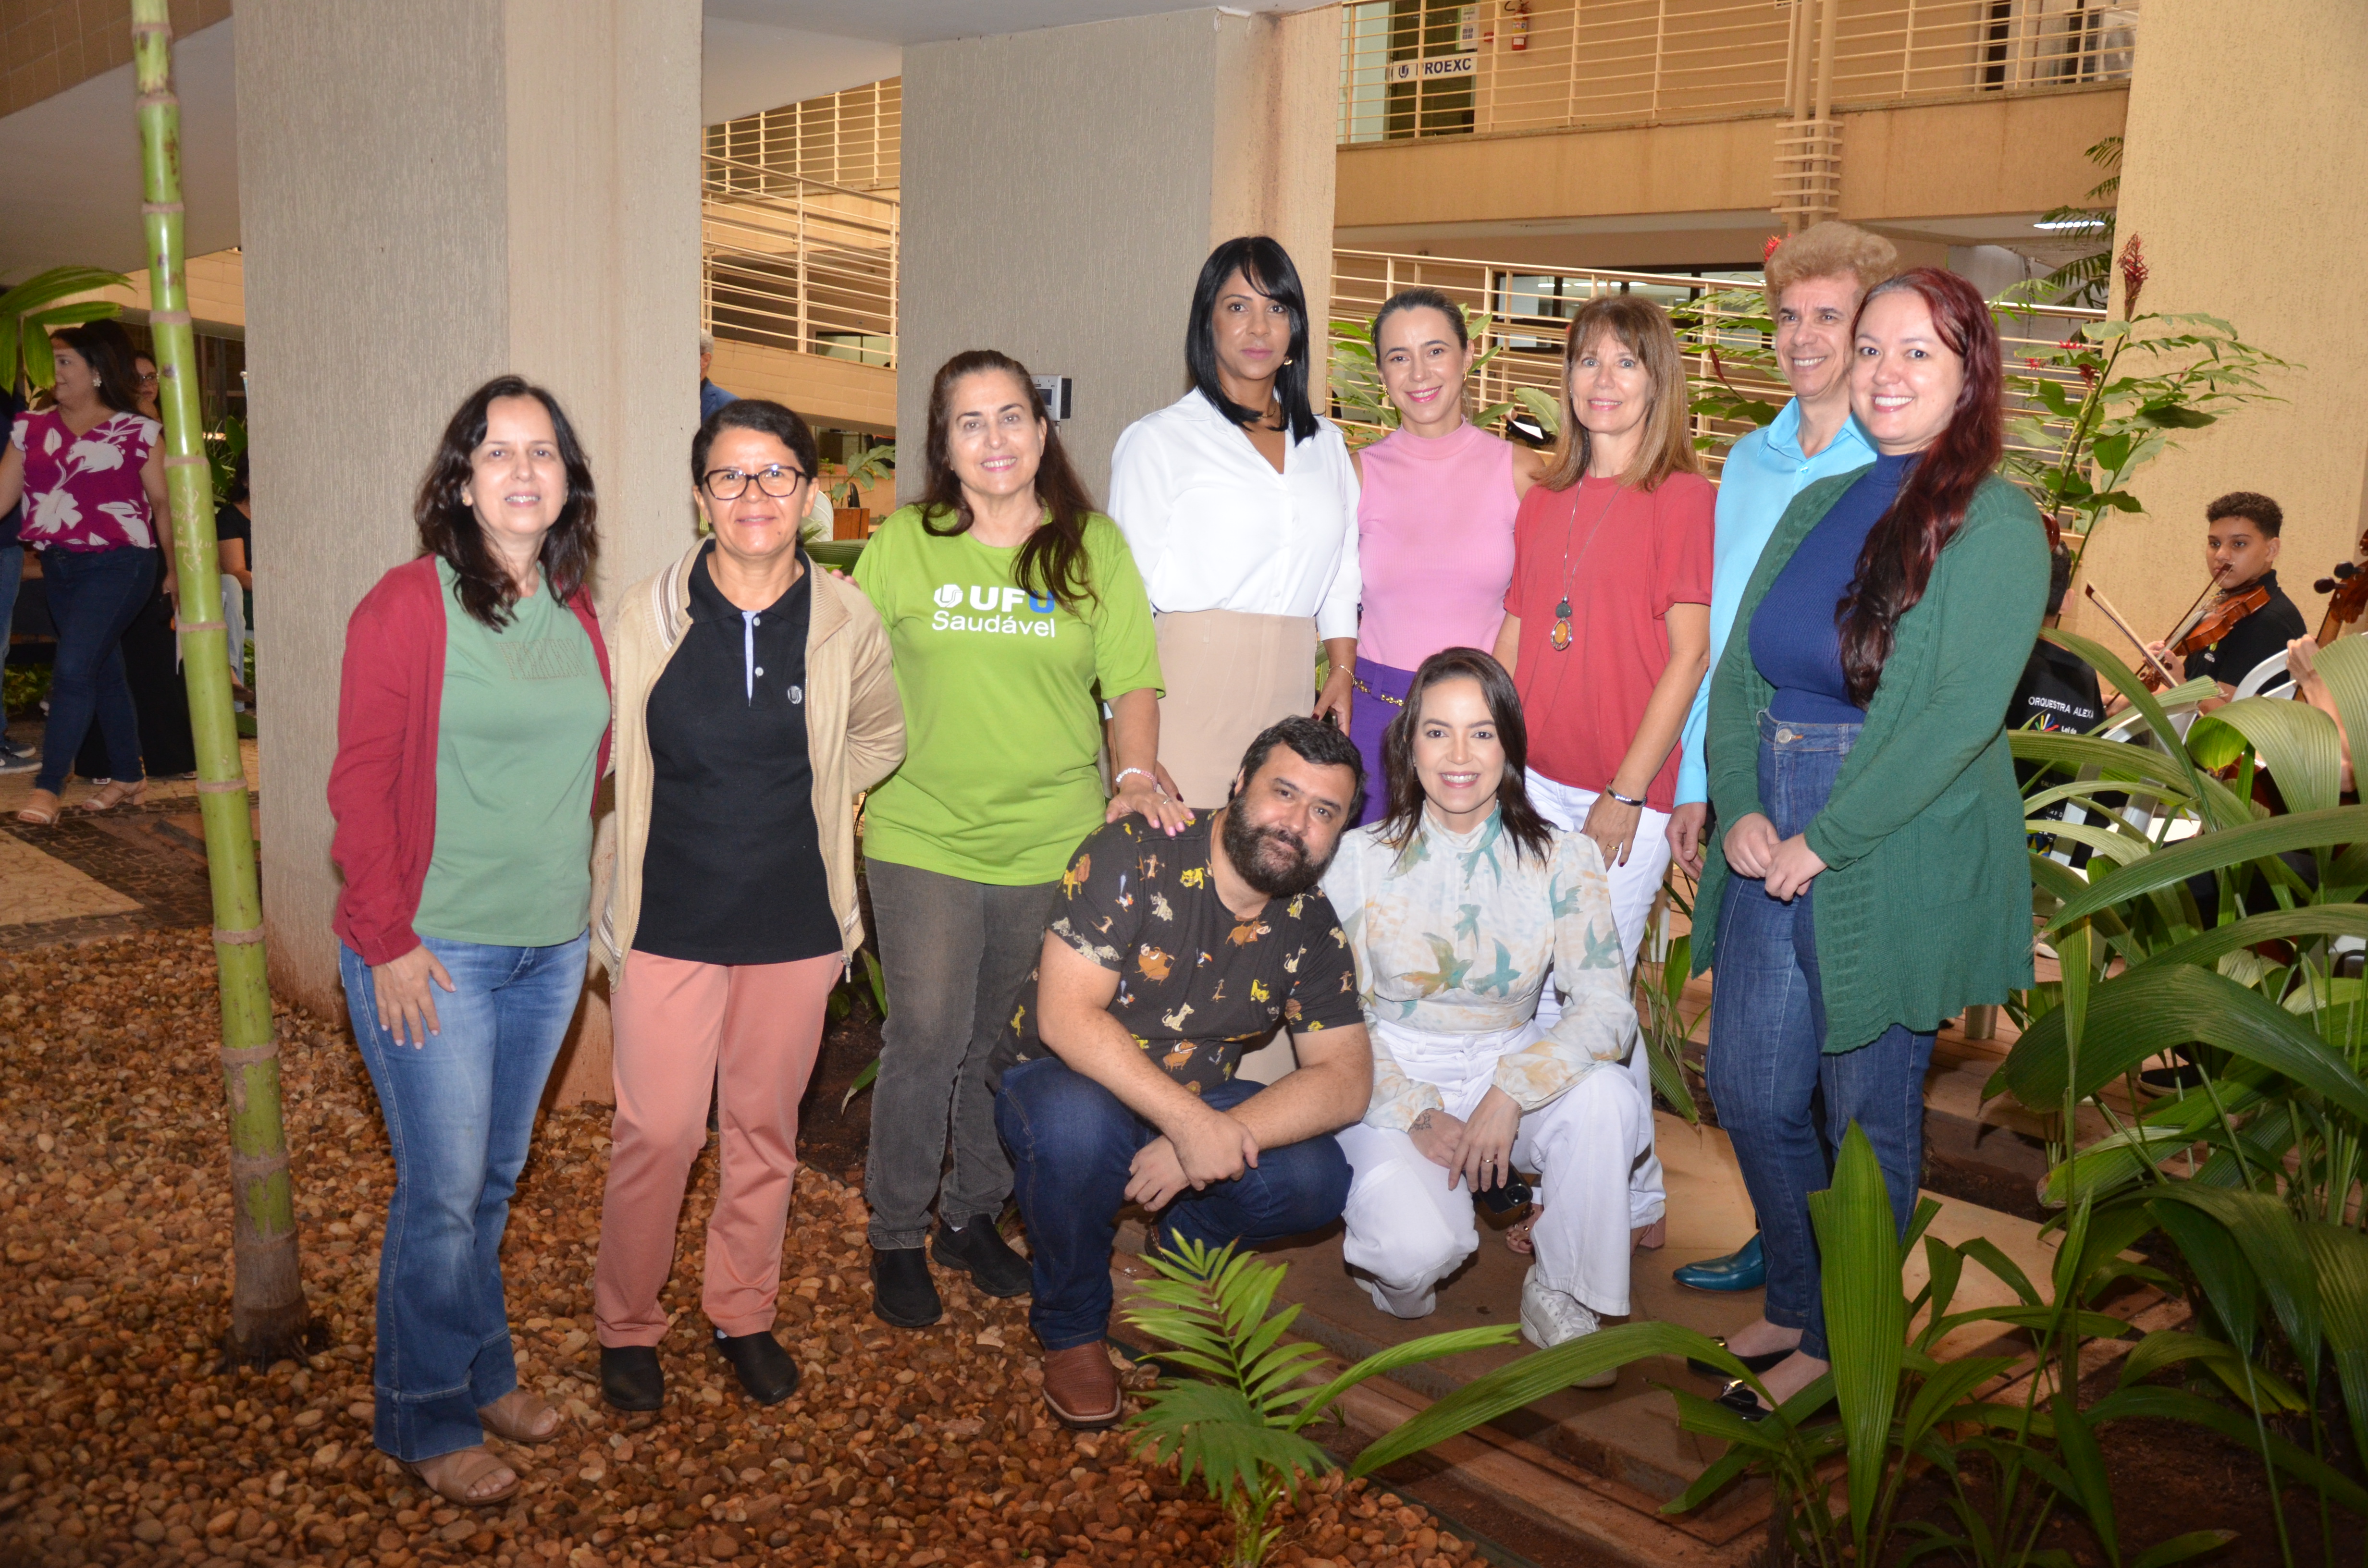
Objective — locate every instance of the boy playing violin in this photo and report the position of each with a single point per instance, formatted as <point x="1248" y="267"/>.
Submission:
<point x="2240" y="550"/>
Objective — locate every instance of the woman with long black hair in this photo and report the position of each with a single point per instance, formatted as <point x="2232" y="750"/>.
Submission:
<point x="1872" y="880"/>
<point x="472" y="723"/>
<point x="1462" y="904"/>
<point x="1012" y="606"/>
<point x="1241" y="507"/>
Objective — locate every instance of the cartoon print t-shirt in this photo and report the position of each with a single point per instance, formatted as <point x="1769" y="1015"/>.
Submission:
<point x="1197" y="987"/>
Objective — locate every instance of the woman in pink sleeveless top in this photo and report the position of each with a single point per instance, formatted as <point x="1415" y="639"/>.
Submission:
<point x="1434" y="519"/>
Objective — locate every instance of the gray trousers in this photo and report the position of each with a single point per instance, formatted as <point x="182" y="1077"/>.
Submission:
<point x="954" y="954"/>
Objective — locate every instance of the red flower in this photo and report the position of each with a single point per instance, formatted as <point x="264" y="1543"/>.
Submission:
<point x="2133" y="277"/>
<point x="1769" y="249"/>
<point x="2032" y="360"/>
<point x="2089" y="375"/>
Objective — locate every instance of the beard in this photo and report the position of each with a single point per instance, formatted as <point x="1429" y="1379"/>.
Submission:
<point x="1273" y="862"/>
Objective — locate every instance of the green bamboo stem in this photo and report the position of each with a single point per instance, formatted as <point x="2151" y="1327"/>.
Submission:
<point x="269" y="1319"/>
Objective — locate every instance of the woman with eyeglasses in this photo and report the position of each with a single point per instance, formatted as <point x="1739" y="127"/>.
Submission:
<point x="754" y="702"/>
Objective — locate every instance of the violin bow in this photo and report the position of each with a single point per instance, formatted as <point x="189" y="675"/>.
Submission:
<point x="2102" y="603"/>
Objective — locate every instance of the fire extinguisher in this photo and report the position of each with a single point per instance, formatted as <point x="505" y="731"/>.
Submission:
<point x="1516" y="24"/>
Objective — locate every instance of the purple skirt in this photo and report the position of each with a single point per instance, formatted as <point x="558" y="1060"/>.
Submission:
<point x="1378" y="697"/>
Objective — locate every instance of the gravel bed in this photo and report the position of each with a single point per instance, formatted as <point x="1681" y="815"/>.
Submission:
<point x="122" y="1440"/>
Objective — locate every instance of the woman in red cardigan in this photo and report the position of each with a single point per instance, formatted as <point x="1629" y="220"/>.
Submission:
<point x="473" y="720"/>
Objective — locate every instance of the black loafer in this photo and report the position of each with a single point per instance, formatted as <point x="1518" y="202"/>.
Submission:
<point x="1750" y="1363"/>
<point x="1737" y="1397"/>
<point x="767" y="1372"/>
<point x="630" y="1378"/>
<point x="902" y="1291"/>
<point x="980" y="1251"/>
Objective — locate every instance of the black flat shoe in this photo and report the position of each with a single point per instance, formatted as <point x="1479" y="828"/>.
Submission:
<point x="1737" y="1397"/>
<point x="902" y="1291"/>
<point x="630" y="1378"/>
<point x="1750" y="1363"/>
<point x="980" y="1251"/>
<point x="766" y="1370"/>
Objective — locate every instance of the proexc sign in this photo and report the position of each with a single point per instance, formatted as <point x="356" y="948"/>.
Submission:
<point x="1436" y="69"/>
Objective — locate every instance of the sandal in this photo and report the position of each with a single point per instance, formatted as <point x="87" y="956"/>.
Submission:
<point x="40" y="809"/>
<point x="455" y="1476"/>
<point x="114" y="793"/>
<point x="517" y="1417"/>
<point x="1517" y="1237"/>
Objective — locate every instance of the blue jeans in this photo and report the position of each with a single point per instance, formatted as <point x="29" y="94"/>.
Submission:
<point x="93" y="597"/>
<point x="12" y="577"/>
<point x="1767" y="1062"/>
<point x="459" y="1112"/>
<point x="1072" y="1141"/>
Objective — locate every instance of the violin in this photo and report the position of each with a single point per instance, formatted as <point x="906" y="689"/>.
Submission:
<point x="2347" y="591"/>
<point x="2221" y="620"/>
<point x="2195" y="633"/>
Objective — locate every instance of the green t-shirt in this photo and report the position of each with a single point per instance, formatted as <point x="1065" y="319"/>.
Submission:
<point x="518" y="742"/>
<point x="1002" y="698"/>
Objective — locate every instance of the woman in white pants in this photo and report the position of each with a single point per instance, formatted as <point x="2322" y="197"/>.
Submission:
<point x="1458" y="904"/>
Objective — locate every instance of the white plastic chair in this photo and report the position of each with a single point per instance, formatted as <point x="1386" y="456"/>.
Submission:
<point x="2271" y="672"/>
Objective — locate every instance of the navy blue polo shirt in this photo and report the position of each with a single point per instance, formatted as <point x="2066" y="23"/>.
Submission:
<point x="733" y="873"/>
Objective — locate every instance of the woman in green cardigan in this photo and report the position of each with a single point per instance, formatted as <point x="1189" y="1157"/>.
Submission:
<point x="1857" y="748"/>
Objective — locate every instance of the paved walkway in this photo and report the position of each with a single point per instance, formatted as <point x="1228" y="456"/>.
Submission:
<point x="135" y="868"/>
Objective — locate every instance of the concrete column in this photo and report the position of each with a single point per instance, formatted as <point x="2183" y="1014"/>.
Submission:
<point x="436" y="193"/>
<point x="2229" y="191"/>
<point x="1061" y="187"/>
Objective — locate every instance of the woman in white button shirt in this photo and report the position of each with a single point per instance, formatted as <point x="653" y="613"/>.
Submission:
<point x="1241" y="507"/>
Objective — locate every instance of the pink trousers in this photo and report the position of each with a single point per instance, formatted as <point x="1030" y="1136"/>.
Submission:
<point x="751" y="1032"/>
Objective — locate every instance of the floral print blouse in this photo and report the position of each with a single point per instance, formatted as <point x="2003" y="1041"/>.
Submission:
<point x="84" y="492"/>
<point x="1455" y="934"/>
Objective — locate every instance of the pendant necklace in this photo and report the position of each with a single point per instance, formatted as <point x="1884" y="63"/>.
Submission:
<point x="1559" y="639"/>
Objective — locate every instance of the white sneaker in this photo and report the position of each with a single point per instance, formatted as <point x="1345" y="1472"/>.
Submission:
<point x="1400" y="1304"/>
<point x="1551" y="1317"/>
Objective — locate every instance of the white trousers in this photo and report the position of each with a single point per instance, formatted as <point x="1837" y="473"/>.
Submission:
<point x="1410" y="1230"/>
<point x="1635" y="886"/>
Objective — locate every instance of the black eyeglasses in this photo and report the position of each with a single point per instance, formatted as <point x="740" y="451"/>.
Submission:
<point x="730" y="483"/>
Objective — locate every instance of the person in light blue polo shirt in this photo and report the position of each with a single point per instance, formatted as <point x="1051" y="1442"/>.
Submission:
<point x="1815" y="279"/>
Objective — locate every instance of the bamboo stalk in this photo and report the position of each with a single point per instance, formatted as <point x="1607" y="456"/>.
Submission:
<point x="268" y="1318"/>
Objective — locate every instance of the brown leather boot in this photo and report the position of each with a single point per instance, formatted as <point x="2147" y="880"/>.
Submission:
<point x="1081" y="1387"/>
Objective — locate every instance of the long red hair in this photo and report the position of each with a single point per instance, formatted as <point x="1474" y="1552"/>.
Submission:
<point x="1895" y="563"/>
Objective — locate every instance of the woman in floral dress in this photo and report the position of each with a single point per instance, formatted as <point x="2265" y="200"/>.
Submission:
<point x="1458" y="904"/>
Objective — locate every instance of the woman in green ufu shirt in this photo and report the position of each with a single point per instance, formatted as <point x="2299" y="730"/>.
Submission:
<point x="1012" y="607"/>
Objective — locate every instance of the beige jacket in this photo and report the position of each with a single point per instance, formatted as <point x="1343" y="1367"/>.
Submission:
<point x="855" y="732"/>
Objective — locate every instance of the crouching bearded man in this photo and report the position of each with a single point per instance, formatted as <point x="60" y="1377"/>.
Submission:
<point x="1167" y="961"/>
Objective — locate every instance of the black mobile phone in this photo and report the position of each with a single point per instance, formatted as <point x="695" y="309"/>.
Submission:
<point x="1513" y="1194"/>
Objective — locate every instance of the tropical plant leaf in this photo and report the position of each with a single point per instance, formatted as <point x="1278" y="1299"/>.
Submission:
<point x="2271" y="926"/>
<point x="2273" y="1243"/>
<point x="2219" y="1267"/>
<point x="1530" y="1378"/>
<point x="1866" y="1317"/>
<point x="2297" y="741"/>
<point x="2144" y="1012"/>
<point x="2340" y="1255"/>
<point x="2084" y="1465"/>
<point x="1430" y="1348"/>
<point x="2218" y="851"/>
<point x="2181" y="1548"/>
<point x="2112" y="1162"/>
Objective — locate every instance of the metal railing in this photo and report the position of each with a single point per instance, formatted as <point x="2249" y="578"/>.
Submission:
<point x="1415" y="68"/>
<point x="797" y="264"/>
<point x="1529" y="308"/>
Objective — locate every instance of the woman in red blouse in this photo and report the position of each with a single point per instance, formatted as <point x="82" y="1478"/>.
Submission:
<point x="1607" y="622"/>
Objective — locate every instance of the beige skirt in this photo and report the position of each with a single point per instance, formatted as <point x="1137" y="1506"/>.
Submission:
<point x="1228" y="676"/>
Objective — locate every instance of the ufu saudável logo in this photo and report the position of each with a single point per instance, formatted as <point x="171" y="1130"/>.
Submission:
<point x="997" y="609"/>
